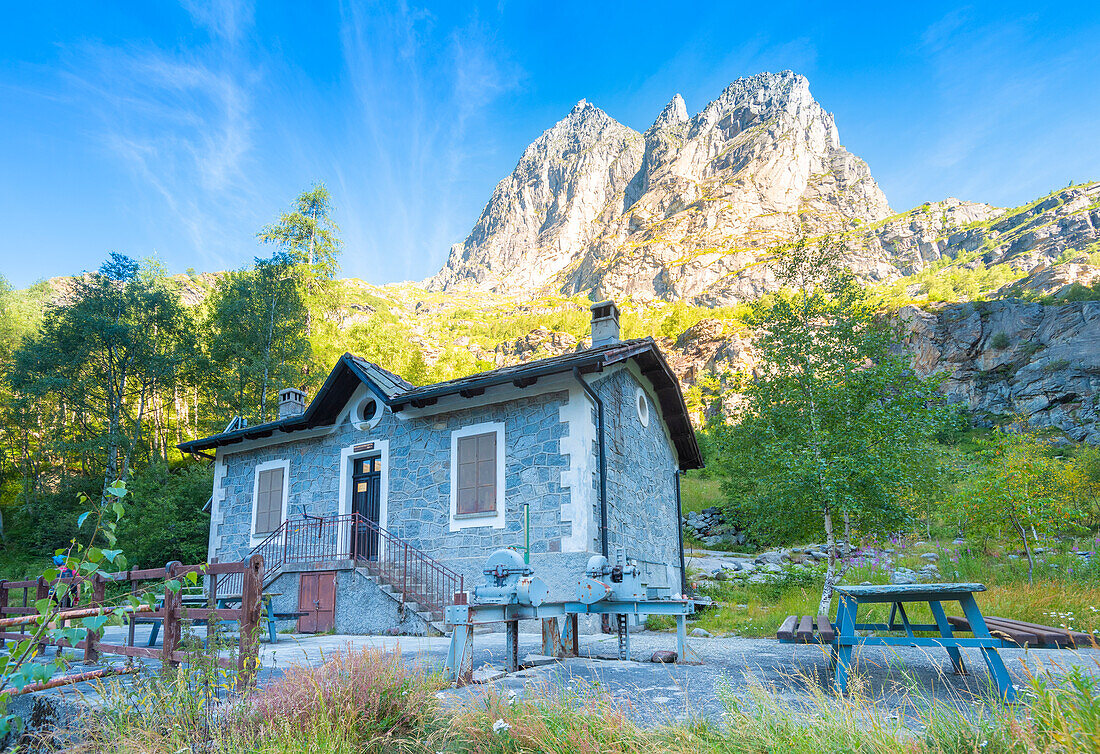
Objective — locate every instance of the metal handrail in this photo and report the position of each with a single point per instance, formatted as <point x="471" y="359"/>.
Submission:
<point x="419" y="577"/>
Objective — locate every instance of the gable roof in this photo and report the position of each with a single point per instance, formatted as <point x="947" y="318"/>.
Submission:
<point x="351" y="371"/>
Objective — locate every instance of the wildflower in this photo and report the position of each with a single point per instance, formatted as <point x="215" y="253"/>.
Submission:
<point x="501" y="727"/>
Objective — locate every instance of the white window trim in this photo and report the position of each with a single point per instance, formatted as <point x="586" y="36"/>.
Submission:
<point x="348" y="456"/>
<point x="281" y="463"/>
<point x="495" y="520"/>
<point x="641" y="401"/>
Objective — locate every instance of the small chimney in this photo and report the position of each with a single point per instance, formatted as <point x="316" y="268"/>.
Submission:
<point x="605" y="323"/>
<point x="292" y="402"/>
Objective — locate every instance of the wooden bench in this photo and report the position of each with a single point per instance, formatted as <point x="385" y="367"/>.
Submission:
<point x="1024" y="634"/>
<point x="800" y="630"/>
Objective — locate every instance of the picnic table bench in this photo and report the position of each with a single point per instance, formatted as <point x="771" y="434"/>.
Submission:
<point x="195" y="598"/>
<point x="842" y="638"/>
<point x="1018" y="633"/>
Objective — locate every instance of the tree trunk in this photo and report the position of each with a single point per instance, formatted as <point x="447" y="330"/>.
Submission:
<point x="830" y="572"/>
<point x="1027" y="549"/>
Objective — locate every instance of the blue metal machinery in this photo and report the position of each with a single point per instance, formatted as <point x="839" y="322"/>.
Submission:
<point x="512" y="593"/>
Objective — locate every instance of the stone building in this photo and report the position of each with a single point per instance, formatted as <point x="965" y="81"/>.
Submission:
<point x="377" y="501"/>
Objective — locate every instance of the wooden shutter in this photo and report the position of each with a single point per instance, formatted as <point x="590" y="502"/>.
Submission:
<point x="477" y="474"/>
<point x="269" y="501"/>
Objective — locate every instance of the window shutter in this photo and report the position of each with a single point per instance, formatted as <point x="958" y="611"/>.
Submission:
<point x="269" y="501"/>
<point x="477" y="474"/>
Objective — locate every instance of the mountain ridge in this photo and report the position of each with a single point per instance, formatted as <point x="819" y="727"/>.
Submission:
<point x="689" y="209"/>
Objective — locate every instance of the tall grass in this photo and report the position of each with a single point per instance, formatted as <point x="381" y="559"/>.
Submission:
<point x="369" y="701"/>
<point x="358" y="701"/>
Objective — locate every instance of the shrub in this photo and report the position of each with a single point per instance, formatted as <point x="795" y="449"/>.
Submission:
<point x="370" y="692"/>
<point x="999" y="341"/>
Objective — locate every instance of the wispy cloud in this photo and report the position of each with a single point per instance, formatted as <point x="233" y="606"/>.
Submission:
<point x="226" y="19"/>
<point x="419" y="89"/>
<point x="180" y="120"/>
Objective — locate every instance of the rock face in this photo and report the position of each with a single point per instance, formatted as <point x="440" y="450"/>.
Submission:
<point x="1057" y="281"/>
<point x="1012" y="357"/>
<point x="595" y="206"/>
<point x="549" y="207"/>
<point x="691" y="208"/>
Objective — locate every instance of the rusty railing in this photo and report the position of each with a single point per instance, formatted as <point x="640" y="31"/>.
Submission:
<point x="418" y="577"/>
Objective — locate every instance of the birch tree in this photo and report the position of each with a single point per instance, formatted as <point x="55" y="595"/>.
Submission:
<point x="833" y="417"/>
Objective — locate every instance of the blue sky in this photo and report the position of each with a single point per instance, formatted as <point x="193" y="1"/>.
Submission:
<point x="179" y="130"/>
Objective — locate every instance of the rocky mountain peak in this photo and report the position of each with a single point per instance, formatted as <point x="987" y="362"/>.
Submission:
<point x="593" y="205"/>
<point x="674" y="114"/>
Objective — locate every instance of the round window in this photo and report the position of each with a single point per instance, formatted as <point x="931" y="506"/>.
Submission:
<point x="368" y="411"/>
<point x="643" y="407"/>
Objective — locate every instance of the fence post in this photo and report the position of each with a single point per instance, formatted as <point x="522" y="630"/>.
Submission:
<point x="173" y="631"/>
<point x="3" y="598"/>
<point x="248" y="655"/>
<point x="41" y="591"/>
<point x="99" y="593"/>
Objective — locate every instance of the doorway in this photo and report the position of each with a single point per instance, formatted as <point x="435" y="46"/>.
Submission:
<point x="366" y="489"/>
<point x="317" y="602"/>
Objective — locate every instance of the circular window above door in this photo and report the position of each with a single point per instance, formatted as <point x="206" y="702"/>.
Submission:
<point x="367" y="412"/>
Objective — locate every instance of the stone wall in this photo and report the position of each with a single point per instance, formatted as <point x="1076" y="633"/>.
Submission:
<point x="641" y="482"/>
<point x="418" y="500"/>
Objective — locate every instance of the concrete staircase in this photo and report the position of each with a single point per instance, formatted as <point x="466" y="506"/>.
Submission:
<point x="432" y="618"/>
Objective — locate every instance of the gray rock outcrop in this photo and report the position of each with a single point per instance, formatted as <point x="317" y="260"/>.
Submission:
<point x="537" y="217"/>
<point x="1010" y="357"/>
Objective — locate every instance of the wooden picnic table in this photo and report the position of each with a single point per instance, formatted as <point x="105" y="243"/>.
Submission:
<point x="898" y="595"/>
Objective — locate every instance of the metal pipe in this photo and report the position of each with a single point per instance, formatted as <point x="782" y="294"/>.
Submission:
<point x="527" y="533"/>
<point x="603" y="458"/>
<point x="680" y="532"/>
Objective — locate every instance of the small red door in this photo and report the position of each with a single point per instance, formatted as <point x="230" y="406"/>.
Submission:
<point x="317" y="599"/>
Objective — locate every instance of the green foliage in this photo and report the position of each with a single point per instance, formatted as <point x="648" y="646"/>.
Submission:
<point x="307" y="235"/>
<point x="834" y="419"/>
<point x="166" y="522"/>
<point x="255" y="339"/>
<point x="21" y="664"/>
<point x="1025" y="489"/>
<point x="100" y="362"/>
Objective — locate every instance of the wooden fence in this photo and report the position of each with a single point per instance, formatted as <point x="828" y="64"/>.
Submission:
<point x="171" y="611"/>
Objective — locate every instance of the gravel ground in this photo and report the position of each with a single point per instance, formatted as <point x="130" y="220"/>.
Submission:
<point x="655" y="693"/>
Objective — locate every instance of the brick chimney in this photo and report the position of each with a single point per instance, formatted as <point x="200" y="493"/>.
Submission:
<point x="292" y="402"/>
<point x="605" y="323"/>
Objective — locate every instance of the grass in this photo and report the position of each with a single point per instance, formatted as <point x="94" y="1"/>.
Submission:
<point x="370" y="702"/>
<point x="698" y="493"/>
<point x="1065" y="593"/>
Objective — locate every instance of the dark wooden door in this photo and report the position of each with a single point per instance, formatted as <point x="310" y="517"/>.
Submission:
<point x="317" y="599"/>
<point x="366" y="500"/>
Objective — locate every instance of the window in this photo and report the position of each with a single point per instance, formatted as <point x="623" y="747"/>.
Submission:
<point x="366" y="412"/>
<point x="477" y="474"/>
<point x="269" y="500"/>
<point x="642" y="404"/>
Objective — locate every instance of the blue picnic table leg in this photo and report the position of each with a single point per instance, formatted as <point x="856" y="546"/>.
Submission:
<point x="153" y="634"/>
<point x="992" y="657"/>
<point x="269" y="608"/>
<point x="945" y="631"/>
<point x="846" y="629"/>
